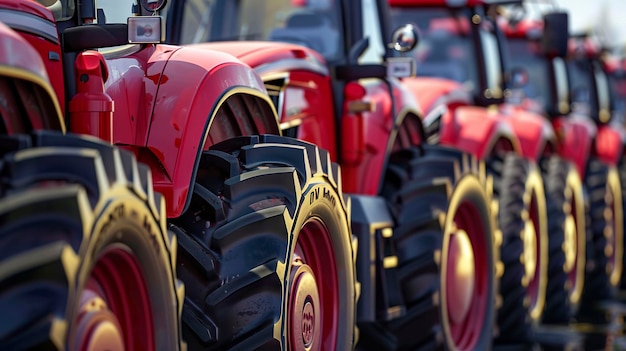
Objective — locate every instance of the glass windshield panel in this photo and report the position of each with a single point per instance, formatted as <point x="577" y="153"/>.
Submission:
<point x="61" y="9"/>
<point x="618" y="89"/>
<point x="116" y="11"/>
<point x="311" y="23"/>
<point x="445" y="49"/>
<point x="196" y="23"/>
<point x="523" y="53"/>
<point x="583" y="99"/>
<point x="376" y="51"/>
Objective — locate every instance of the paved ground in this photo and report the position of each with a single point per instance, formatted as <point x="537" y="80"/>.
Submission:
<point x="607" y="335"/>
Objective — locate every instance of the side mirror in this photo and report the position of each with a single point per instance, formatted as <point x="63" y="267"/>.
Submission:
<point x="555" y="34"/>
<point x="518" y="78"/>
<point x="405" y="38"/>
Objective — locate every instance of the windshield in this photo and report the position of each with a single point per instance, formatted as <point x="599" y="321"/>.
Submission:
<point x="445" y="49"/>
<point x="116" y="11"/>
<point x="61" y="9"/>
<point x="583" y="99"/>
<point x="618" y="89"/>
<point x="312" y="23"/>
<point x="522" y="53"/>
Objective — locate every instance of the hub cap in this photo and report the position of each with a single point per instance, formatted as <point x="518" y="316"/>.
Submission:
<point x="97" y="328"/>
<point x="115" y="311"/>
<point x="569" y="243"/>
<point x="313" y="316"/>
<point x="465" y="284"/>
<point x="304" y="302"/>
<point x="461" y="275"/>
<point x="529" y="237"/>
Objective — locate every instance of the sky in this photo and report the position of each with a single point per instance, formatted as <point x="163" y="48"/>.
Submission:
<point x="586" y="14"/>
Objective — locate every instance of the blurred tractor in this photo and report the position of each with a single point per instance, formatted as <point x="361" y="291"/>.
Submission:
<point x="422" y="213"/>
<point x="466" y="89"/>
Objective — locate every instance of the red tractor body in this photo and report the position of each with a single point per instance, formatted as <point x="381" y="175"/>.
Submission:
<point x="575" y="132"/>
<point x="164" y="139"/>
<point x="254" y="216"/>
<point x="328" y="68"/>
<point x="45" y="41"/>
<point x="148" y="89"/>
<point x="472" y="122"/>
<point x="369" y="112"/>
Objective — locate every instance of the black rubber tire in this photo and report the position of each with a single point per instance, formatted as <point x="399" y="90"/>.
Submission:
<point x="68" y="202"/>
<point x="419" y="185"/>
<point x="563" y="186"/>
<point x="250" y="202"/>
<point x="600" y="286"/>
<point x="516" y="182"/>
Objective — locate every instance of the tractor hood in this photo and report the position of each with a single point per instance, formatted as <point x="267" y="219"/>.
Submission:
<point x="431" y="92"/>
<point x="258" y="54"/>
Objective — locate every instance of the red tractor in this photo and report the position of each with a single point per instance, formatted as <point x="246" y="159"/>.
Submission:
<point x="464" y="85"/>
<point x="594" y="97"/>
<point x="426" y="259"/>
<point x="84" y="252"/>
<point x="88" y="248"/>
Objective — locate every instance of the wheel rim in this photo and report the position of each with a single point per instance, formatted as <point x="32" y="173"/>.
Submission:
<point x="531" y="257"/>
<point x="574" y="236"/>
<point x="465" y="310"/>
<point x="461" y="275"/>
<point x="313" y="299"/>
<point x="613" y="232"/>
<point x="115" y="311"/>
<point x="570" y="247"/>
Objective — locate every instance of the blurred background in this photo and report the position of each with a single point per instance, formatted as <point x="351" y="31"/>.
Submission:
<point x="604" y="17"/>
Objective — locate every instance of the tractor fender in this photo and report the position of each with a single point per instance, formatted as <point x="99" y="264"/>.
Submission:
<point x="576" y="135"/>
<point x="408" y="115"/>
<point x="534" y="131"/>
<point x="477" y="130"/>
<point x="610" y="143"/>
<point x="432" y="92"/>
<point x="299" y="81"/>
<point x="21" y="62"/>
<point x="35" y="23"/>
<point x="184" y="108"/>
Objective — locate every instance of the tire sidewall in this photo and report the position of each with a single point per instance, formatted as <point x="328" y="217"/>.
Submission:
<point x="330" y="210"/>
<point x="125" y="221"/>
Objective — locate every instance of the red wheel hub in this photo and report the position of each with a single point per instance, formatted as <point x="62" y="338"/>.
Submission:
<point x="313" y="299"/>
<point x="613" y="234"/>
<point x="115" y="312"/>
<point x="304" y="303"/>
<point x="461" y="276"/>
<point x="571" y="245"/>
<point x="97" y="328"/>
<point x="532" y="258"/>
<point x="466" y="288"/>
